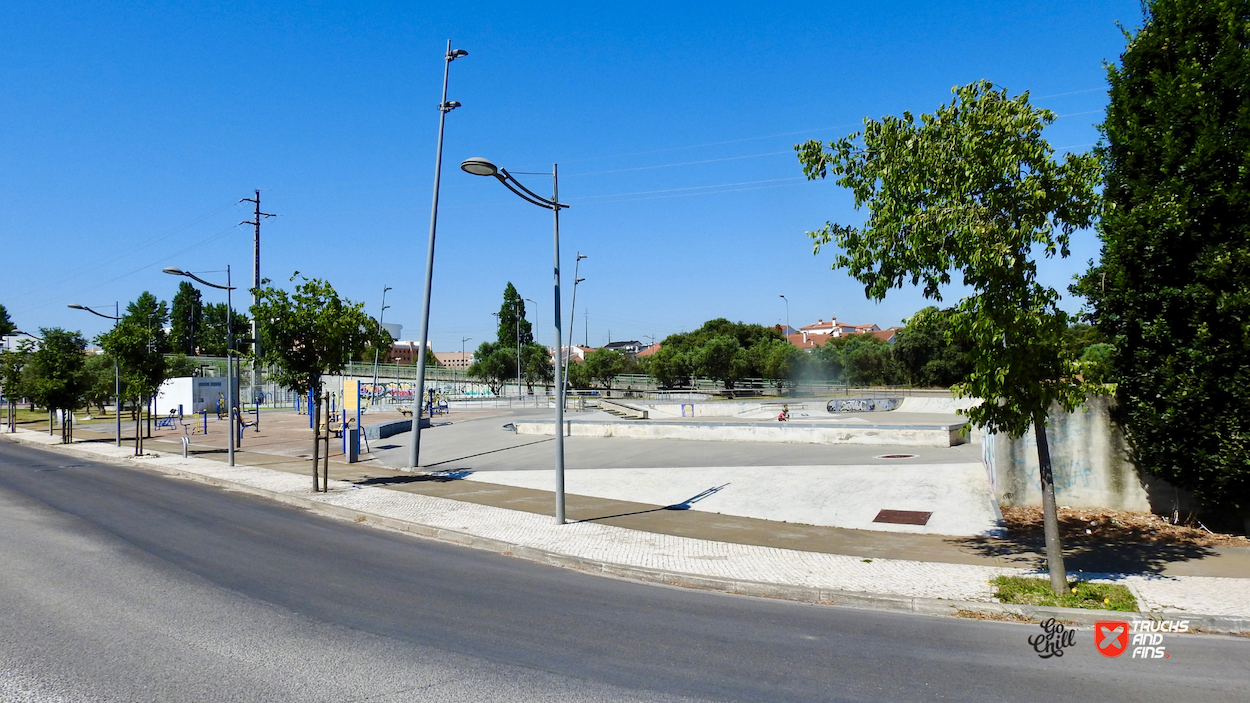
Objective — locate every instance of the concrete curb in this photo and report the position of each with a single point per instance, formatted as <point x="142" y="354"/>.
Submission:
<point x="849" y="599"/>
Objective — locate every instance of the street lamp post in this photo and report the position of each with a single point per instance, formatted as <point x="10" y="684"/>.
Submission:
<point x="373" y="391"/>
<point x="787" y="311"/>
<point x="529" y="300"/>
<point x="577" y="264"/>
<point x="231" y="367"/>
<point x="444" y="107"/>
<point x="117" y="369"/>
<point x="481" y="167"/>
<point x="462" y="360"/>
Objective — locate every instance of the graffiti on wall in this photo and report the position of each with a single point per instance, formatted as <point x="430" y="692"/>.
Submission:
<point x="861" y="405"/>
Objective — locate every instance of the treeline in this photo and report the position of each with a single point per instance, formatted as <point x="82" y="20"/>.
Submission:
<point x="926" y="353"/>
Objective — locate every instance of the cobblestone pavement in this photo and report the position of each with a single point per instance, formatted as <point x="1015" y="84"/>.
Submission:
<point x="703" y="558"/>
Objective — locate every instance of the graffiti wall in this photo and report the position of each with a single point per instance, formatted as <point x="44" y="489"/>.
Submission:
<point x="861" y="405"/>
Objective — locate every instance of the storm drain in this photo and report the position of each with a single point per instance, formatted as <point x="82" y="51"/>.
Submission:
<point x="897" y="456"/>
<point x="903" y="517"/>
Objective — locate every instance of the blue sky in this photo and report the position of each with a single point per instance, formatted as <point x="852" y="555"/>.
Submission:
<point x="129" y="131"/>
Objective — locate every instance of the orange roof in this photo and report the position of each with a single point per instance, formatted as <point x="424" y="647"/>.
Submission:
<point x="649" y="350"/>
<point x="811" y="342"/>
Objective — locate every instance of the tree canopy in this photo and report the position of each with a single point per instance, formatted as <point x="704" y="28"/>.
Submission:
<point x="186" y="317"/>
<point x="973" y="188"/>
<point x="1172" y="289"/>
<point x="512" y="322"/>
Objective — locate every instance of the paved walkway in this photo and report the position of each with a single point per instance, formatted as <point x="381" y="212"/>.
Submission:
<point x="379" y="495"/>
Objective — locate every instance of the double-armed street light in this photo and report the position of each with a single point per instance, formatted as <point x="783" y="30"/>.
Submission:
<point x="444" y="107"/>
<point x="231" y="380"/>
<point x="117" y="369"/>
<point x="382" y="315"/>
<point x="482" y="167"/>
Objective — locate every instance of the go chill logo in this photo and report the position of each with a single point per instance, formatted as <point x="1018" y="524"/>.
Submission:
<point x="1144" y="637"/>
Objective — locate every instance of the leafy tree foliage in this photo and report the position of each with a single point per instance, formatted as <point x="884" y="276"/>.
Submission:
<point x="1172" y="291"/>
<point x="973" y="188"/>
<point x="58" y="377"/>
<point x="928" y="352"/>
<point x="512" y="322"/>
<point x="139" y="343"/>
<point x="101" y="380"/>
<point x="186" y="317"/>
<point x="603" y="365"/>
<point x="720" y="350"/>
<point x="6" y="325"/>
<point x="579" y="376"/>
<point x="536" y="366"/>
<point x="12" y="366"/>
<point x="213" y="332"/>
<point x="493" y="364"/>
<point x="310" y="333"/>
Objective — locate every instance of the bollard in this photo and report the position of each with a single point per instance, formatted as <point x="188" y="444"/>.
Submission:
<point x="353" y="445"/>
<point x="186" y="443"/>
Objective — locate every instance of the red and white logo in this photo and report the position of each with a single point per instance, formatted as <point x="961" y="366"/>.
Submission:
<point x="1111" y="637"/>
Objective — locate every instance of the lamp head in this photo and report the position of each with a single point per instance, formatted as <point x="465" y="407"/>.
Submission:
<point x="449" y="106"/>
<point x="479" y="167"/>
<point x="174" y="271"/>
<point x="76" y="306"/>
<point x="580" y="257"/>
<point x="578" y="281"/>
<point x="456" y="53"/>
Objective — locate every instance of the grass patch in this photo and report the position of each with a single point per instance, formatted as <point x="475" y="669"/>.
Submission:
<point x="982" y="615"/>
<point x="1081" y="594"/>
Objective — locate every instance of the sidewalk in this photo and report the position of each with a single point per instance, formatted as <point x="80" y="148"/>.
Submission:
<point x="858" y="576"/>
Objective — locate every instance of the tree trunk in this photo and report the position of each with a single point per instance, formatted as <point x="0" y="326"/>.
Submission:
<point x="316" y="411"/>
<point x="1050" y="516"/>
<point x="138" y="434"/>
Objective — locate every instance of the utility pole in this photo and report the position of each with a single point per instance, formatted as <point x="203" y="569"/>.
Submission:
<point x="373" y="392"/>
<point x="586" y="328"/>
<point x="255" y="222"/>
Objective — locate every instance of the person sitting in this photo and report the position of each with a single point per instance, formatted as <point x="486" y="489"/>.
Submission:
<point x="785" y="414"/>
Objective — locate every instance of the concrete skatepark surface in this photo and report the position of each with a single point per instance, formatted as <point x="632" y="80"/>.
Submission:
<point x="838" y="486"/>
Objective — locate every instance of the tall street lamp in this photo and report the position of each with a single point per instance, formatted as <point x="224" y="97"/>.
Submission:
<point x="787" y="311"/>
<point x="230" y="365"/>
<point x="373" y="391"/>
<point x="535" y="302"/>
<point x="572" y="311"/>
<point x="117" y="369"/>
<point x="444" y="107"/>
<point x="481" y="167"/>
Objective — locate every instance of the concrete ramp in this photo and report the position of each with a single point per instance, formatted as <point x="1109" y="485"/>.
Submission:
<point x="940" y="405"/>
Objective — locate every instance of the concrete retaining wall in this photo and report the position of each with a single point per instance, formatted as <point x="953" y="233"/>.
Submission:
<point x="1090" y="460"/>
<point x="881" y="435"/>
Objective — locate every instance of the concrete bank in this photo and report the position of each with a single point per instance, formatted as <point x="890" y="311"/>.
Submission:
<point x="937" y="435"/>
<point x="887" y="584"/>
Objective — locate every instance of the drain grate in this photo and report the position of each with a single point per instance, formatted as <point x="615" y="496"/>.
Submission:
<point x="903" y="517"/>
<point x="897" y="456"/>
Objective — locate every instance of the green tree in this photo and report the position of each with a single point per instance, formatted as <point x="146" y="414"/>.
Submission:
<point x="101" y="380"/>
<point x="536" y="365"/>
<point x="773" y="359"/>
<point x="512" y="322"/>
<point x="974" y="189"/>
<point x="139" y="343"/>
<point x="311" y="333"/>
<point x="186" y="316"/>
<point x="12" y="365"/>
<point x="579" y="377"/>
<point x="58" y="378"/>
<point x="1172" y="291"/>
<point x="867" y="361"/>
<point x="928" y="352"/>
<point x="722" y="358"/>
<point x="493" y="364"/>
<point x="6" y="325"/>
<point x="603" y="365"/>
<point x="671" y="366"/>
<point x="213" y="332"/>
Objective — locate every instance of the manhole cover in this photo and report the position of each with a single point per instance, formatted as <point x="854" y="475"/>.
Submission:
<point x="903" y="517"/>
<point x="897" y="456"/>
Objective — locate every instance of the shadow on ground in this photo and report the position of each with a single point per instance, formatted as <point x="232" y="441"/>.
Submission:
<point x="440" y="477"/>
<point x="1106" y="552"/>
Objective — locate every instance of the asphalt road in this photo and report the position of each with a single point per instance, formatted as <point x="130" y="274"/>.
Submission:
<point x="117" y="584"/>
